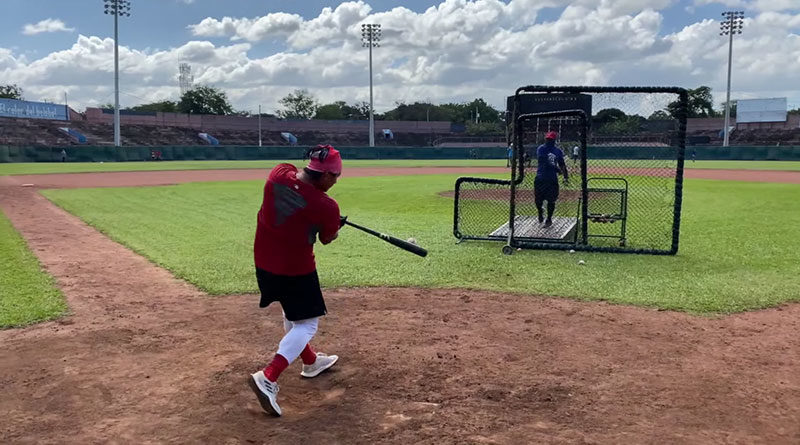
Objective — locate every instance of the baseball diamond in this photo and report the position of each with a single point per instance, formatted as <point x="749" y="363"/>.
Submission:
<point x="133" y="322"/>
<point x="435" y="222"/>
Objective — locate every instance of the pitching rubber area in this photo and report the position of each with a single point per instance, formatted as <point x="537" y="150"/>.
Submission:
<point x="145" y="357"/>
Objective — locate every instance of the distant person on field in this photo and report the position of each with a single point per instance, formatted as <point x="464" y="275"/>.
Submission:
<point x="575" y="153"/>
<point x="529" y="154"/>
<point x="295" y="212"/>
<point x="545" y="185"/>
<point x="63" y="155"/>
<point x="509" y="154"/>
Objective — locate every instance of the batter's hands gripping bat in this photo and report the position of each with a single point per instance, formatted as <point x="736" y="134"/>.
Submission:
<point x="405" y="245"/>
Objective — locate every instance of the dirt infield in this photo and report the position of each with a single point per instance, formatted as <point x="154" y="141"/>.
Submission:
<point x="145" y="357"/>
<point x="132" y="179"/>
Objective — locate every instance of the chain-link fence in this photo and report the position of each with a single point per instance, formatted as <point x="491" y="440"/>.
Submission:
<point x="482" y="205"/>
<point x="611" y="180"/>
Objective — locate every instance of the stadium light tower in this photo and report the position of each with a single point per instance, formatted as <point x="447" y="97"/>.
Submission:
<point x="371" y="36"/>
<point x="732" y="24"/>
<point x="117" y="8"/>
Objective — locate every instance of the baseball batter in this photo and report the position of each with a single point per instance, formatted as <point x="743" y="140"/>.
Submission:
<point x="545" y="185"/>
<point x="295" y="212"/>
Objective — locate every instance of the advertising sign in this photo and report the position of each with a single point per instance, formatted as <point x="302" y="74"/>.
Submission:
<point x="32" y="110"/>
<point x="761" y="110"/>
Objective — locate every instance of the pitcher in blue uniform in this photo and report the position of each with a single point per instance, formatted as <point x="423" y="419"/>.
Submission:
<point x="545" y="185"/>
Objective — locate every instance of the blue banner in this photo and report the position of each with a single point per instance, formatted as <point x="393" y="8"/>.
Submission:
<point x="32" y="110"/>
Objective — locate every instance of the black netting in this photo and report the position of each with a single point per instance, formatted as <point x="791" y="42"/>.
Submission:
<point x="566" y="195"/>
<point x="623" y="150"/>
<point x="481" y="207"/>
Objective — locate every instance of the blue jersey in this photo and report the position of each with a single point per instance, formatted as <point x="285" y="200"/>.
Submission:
<point x="549" y="159"/>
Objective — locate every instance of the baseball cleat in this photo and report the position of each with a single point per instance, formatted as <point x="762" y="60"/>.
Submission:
<point x="266" y="391"/>
<point x="548" y="223"/>
<point x="323" y="362"/>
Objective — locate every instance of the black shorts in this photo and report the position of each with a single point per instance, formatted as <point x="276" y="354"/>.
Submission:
<point x="300" y="296"/>
<point x="545" y="189"/>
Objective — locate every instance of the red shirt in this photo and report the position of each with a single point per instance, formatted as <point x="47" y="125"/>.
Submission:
<point x="292" y="214"/>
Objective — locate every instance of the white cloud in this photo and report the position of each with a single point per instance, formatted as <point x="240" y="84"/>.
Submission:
<point x="728" y="3"/>
<point x="271" y="25"/>
<point x="46" y="25"/>
<point x="756" y="5"/>
<point x="776" y="5"/>
<point x="456" y="50"/>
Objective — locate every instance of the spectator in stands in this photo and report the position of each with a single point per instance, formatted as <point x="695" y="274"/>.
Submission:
<point x="63" y="155"/>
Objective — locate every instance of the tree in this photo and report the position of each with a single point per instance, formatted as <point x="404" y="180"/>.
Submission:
<point x="298" y="105"/>
<point x="10" y="92"/>
<point x="466" y="112"/>
<point x="340" y="110"/>
<point x="331" y="112"/>
<point x="701" y="104"/>
<point x="627" y="125"/>
<point x="166" y="106"/>
<point x="606" y="116"/>
<point x="484" y="128"/>
<point x="452" y="112"/>
<point x="418" y="111"/>
<point x="795" y="111"/>
<point x="361" y="109"/>
<point x="205" y="100"/>
<point x="659" y="115"/>
<point x="485" y="112"/>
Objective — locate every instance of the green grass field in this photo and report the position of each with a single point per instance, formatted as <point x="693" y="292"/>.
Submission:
<point x="738" y="247"/>
<point x="84" y="167"/>
<point x="27" y="293"/>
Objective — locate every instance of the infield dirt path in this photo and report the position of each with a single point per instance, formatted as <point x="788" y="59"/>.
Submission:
<point x="147" y="358"/>
<point x="132" y="179"/>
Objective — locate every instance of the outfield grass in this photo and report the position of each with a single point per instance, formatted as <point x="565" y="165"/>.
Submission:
<point x="27" y="293"/>
<point x="738" y="248"/>
<point x="88" y="167"/>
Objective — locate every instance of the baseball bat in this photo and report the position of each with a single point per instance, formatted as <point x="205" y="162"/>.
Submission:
<point x="405" y="245"/>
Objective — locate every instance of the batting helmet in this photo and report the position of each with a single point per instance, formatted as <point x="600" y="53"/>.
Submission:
<point x="551" y="135"/>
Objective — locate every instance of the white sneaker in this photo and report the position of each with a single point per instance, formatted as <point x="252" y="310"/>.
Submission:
<point x="266" y="391"/>
<point x="323" y="362"/>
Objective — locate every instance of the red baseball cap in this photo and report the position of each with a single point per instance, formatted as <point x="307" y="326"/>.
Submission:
<point x="551" y="135"/>
<point x="331" y="161"/>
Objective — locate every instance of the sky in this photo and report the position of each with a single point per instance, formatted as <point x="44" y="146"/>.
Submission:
<point x="258" y="51"/>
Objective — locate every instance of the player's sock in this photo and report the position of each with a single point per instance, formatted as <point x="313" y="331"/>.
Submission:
<point x="275" y="368"/>
<point x="308" y="355"/>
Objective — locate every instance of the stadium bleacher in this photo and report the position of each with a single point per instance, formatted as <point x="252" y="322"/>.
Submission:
<point x="100" y="132"/>
<point x="39" y="132"/>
